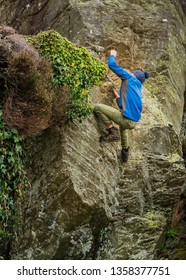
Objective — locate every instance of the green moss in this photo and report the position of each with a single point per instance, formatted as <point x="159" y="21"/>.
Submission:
<point x="163" y="65"/>
<point x="156" y="84"/>
<point x="154" y="220"/>
<point x="72" y="66"/>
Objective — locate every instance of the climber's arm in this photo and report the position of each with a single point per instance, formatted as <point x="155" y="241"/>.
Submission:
<point x="118" y="70"/>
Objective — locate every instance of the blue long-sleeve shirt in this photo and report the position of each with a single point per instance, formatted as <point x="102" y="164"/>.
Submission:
<point x="130" y="100"/>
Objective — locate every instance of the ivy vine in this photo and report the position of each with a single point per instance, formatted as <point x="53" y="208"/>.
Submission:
<point x="13" y="180"/>
<point x="72" y="66"/>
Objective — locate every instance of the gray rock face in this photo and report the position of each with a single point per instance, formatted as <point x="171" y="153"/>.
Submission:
<point x="77" y="186"/>
<point x="84" y="203"/>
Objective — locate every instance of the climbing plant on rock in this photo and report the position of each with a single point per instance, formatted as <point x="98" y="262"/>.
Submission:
<point x="73" y="66"/>
<point x="13" y="180"/>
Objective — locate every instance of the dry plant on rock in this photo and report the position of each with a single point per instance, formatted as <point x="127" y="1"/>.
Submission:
<point x="28" y="106"/>
<point x="28" y="96"/>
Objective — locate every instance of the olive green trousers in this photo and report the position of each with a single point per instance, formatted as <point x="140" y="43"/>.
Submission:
<point x="108" y="115"/>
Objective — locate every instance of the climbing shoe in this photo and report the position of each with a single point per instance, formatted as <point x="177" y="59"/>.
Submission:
<point x="124" y="154"/>
<point x="113" y="135"/>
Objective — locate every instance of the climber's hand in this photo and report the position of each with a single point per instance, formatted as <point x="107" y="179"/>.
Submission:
<point x="115" y="92"/>
<point x="113" y="52"/>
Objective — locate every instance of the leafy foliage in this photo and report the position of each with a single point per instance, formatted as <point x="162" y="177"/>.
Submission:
<point x="12" y="180"/>
<point x="171" y="233"/>
<point x="72" y="66"/>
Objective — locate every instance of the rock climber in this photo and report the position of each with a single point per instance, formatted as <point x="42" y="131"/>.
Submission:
<point x="129" y="101"/>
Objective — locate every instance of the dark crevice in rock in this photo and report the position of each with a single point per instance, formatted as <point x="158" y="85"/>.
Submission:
<point x="61" y="13"/>
<point x="4" y="250"/>
<point x="183" y="4"/>
<point x="174" y="247"/>
<point x="39" y="10"/>
<point x="183" y="132"/>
